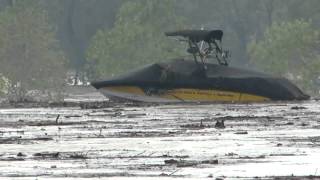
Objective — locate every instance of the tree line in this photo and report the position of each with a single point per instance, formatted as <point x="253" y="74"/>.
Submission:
<point x="41" y="40"/>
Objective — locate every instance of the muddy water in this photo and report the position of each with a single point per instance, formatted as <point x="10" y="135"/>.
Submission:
<point x="162" y="141"/>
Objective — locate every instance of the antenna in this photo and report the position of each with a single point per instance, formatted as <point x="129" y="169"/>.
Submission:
<point x="202" y="42"/>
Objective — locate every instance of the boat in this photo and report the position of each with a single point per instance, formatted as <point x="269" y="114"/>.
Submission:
<point x="198" y="80"/>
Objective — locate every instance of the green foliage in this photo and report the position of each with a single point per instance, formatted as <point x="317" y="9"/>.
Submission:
<point x="289" y="49"/>
<point x="77" y="22"/>
<point x="137" y="37"/>
<point x="29" y="53"/>
<point x="3" y="85"/>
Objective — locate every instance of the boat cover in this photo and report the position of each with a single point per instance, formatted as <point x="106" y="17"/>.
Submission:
<point x="188" y="74"/>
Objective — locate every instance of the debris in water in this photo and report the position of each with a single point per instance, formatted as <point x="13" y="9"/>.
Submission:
<point x="20" y="154"/>
<point x="160" y="141"/>
<point x="231" y="154"/>
<point x="220" y="124"/>
<point x="57" y="119"/>
<point x="70" y="116"/>
<point x="196" y="126"/>
<point x="79" y="156"/>
<point x="249" y="157"/>
<point x="47" y="155"/>
<point x="188" y="163"/>
<point x="298" y="107"/>
<point x="241" y="132"/>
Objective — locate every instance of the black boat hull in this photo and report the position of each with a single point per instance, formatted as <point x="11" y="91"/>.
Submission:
<point x="184" y="81"/>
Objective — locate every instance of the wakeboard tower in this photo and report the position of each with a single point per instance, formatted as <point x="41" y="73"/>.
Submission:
<point x="198" y="81"/>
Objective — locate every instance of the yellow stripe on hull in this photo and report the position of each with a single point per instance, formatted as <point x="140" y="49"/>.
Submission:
<point x="126" y="89"/>
<point x="184" y="94"/>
